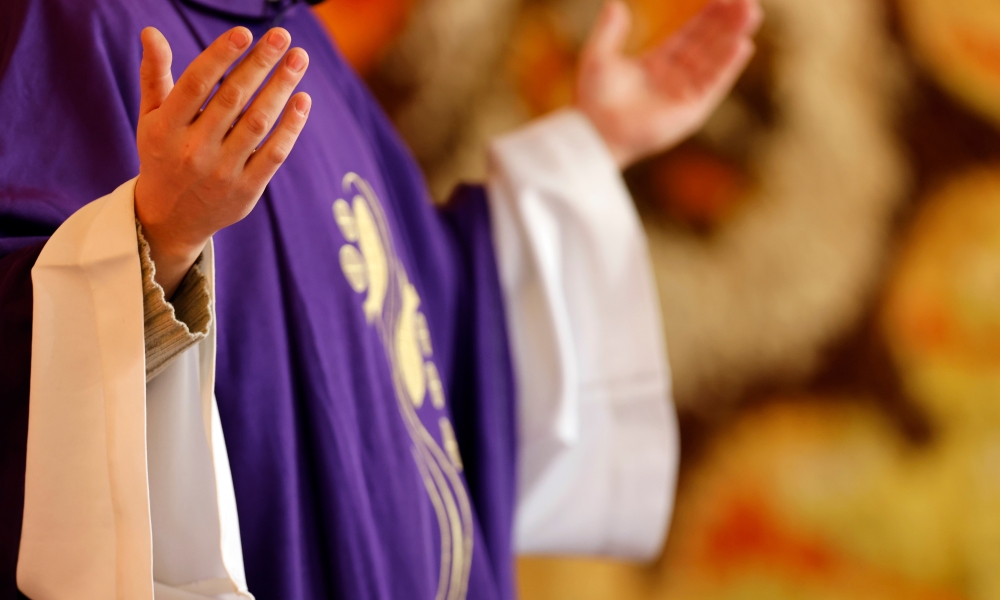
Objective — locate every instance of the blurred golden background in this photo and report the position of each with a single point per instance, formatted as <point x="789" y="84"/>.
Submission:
<point x="828" y="256"/>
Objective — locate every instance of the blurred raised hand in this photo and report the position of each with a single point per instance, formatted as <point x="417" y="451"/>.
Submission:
<point x="645" y="104"/>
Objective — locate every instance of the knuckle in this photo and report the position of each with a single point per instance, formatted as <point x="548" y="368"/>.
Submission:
<point x="281" y="83"/>
<point x="222" y="173"/>
<point x="260" y="60"/>
<point x="230" y="97"/>
<point x="279" y="153"/>
<point x="296" y="123"/>
<point x="293" y="128"/>
<point x="190" y="158"/>
<point x="193" y="159"/>
<point x="195" y="87"/>
<point x="145" y="71"/>
<point x="257" y="123"/>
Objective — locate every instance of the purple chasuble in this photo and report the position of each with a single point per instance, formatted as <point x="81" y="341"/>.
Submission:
<point x="364" y="379"/>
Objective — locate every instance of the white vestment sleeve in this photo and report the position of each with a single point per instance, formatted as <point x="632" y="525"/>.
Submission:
<point x="598" y="434"/>
<point x="94" y="470"/>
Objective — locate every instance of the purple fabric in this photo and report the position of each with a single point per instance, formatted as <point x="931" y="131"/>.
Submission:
<point x="332" y="502"/>
<point x="15" y="356"/>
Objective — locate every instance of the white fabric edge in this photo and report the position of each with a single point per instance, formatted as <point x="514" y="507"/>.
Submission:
<point x="86" y="530"/>
<point x="598" y="439"/>
<point x="203" y="555"/>
<point x="230" y="542"/>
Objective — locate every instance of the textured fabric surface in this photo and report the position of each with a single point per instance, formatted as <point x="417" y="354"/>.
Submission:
<point x="171" y="327"/>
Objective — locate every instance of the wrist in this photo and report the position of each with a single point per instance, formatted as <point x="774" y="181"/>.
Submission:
<point x="172" y="256"/>
<point x="623" y="155"/>
<point x="171" y="263"/>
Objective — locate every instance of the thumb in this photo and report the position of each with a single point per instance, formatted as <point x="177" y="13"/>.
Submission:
<point x="611" y="31"/>
<point x="155" y="80"/>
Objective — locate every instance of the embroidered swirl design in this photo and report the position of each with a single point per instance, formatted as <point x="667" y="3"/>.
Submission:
<point x="392" y="306"/>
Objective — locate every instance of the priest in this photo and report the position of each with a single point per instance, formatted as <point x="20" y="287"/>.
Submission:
<point x="243" y="355"/>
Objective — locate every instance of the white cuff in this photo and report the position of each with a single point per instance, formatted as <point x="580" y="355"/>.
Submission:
<point x="104" y="486"/>
<point x="598" y="436"/>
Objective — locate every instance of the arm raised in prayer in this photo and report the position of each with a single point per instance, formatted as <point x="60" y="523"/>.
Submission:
<point x="598" y="440"/>
<point x="203" y="169"/>
<point x="646" y="104"/>
<point x="597" y="435"/>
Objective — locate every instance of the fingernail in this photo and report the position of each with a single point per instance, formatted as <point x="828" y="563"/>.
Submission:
<point x="239" y="38"/>
<point x="277" y="39"/>
<point x="296" y="61"/>
<point x="302" y="105"/>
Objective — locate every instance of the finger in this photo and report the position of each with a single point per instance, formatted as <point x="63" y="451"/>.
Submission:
<point x="199" y="79"/>
<point x="756" y="17"/>
<point x="610" y="32"/>
<point x="257" y="121"/>
<point x="747" y="15"/>
<point x="155" y="79"/>
<point x="722" y="17"/>
<point x="714" y="55"/>
<point x="242" y="82"/>
<point x="736" y="65"/>
<point x="706" y="44"/>
<point x="264" y="163"/>
<point x="714" y="66"/>
<point x="719" y="20"/>
<point x="722" y="81"/>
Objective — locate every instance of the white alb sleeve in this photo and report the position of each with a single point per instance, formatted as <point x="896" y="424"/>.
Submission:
<point x="128" y="491"/>
<point x="598" y="433"/>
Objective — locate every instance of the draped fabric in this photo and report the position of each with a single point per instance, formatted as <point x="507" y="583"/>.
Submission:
<point x="363" y="380"/>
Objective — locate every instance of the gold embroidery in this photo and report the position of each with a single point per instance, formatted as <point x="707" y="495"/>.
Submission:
<point x="450" y="443"/>
<point x="423" y="335"/>
<point x="434" y="385"/>
<point x="392" y="307"/>
<point x="443" y="525"/>
<point x="372" y="249"/>
<point x="465" y="511"/>
<point x="354" y="268"/>
<point x="345" y="220"/>
<point x="458" y="547"/>
<point x="408" y="355"/>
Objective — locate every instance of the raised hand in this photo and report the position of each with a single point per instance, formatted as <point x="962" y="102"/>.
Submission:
<point x="649" y="103"/>
<point x="202" y="170"/>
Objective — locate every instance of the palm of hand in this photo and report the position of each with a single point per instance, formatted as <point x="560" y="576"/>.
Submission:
<point x="645" y="104"/>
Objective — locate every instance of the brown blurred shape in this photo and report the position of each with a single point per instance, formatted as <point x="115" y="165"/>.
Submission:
<point x="364" y="29"/>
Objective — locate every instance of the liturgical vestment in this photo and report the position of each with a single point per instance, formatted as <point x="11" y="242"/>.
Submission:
<point x="394" y="398"/>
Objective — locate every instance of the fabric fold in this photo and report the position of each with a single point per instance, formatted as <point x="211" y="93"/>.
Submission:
<point x="598" y="436"/>
<point x="172" y="327"/>
<point x="95" y="465"/>
<point x="86" y="529"/>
